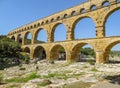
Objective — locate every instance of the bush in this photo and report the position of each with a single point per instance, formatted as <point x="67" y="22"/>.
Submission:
<point x="94" y="69"/>
<point x="22" y="69"/>
<point x="1" y="78"/>
<point x="26" y="58"/>
<point x="91" y="62"/>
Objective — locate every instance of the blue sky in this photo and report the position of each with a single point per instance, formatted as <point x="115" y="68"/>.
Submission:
<point x="15" y="13"/>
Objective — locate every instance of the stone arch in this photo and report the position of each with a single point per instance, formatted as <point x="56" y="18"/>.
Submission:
<point x="38" y="24"/>
<point x="82" y="10"/>
<point x="36" y="35"/>
<point x="53" y="30"/>
<point x="26" y="40"/>
<point x="73" y="13"/>
<point x="55" y="52"/>
<point x="19" y="38"/>
<point x="42" y="23"/>
<point x="47" y="21"/>
<point x="65" y="16"/>
<point x="27" y="50"/>
<point x="105" y="3"/>
<point x="58" y="18"/>
<point x="52" y="20"/>
<point x="78" y="20"/>
<point x="75" y="52"/>
<point x="106" y="16"/>
<point x="39" y="53"/>
<point x="35" y="25"/>
<point x="93" y="7"/>
<point x="108" y="48"/>
<point x="13" y="38"/>
<point x="31" y="26"/>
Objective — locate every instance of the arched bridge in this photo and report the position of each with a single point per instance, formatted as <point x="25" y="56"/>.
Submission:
<point x="98" y="10"/>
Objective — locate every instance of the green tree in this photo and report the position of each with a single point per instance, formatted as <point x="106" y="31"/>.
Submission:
<point x="9" y="51"/>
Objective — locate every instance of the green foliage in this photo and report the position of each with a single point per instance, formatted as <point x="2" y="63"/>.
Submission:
<point x="22" y="68"/>
<point x="115" y="53"/>
<point x="94" y="69"/>
<point x="9" y="52"/>
<point x="26" y="58"/>
<point x="24" y="79"/>
<point x="9" y="48"/>
<point x="91" y="62"/>
<point x="1" y="78"/>
<point x="88" y="51"/>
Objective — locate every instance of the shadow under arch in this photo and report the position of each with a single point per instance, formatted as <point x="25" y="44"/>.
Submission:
<point x="76" y="54"/>
<point x="39" y="53"/>
<point x="108" y="50"/>
<point x="43" y="36"/>
<point x="19" y="38"/>
<point x="27" y="50"/>
<point x="58" y="52"/>
<point x="108" y="14"/>
<point x="13" y="38"/>
<point x="88" y="33"/>
<point x="57" y="37"/>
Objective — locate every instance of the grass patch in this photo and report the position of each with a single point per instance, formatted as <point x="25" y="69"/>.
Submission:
<point x="94" y="69"/>
<point x="50" y="75"/>
<point x="24" y="79"/>
<point x="22" y="68"/>
<point x="85" y="66"/>
<point x="1" y="78"/>
<point x="91" y="62"/>
<point x="62" y="76"/>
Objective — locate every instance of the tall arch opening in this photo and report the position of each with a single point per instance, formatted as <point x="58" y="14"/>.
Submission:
<point x="19" y="38"/>
<point x="40" y="36"/>
<point x="13" y="38"/>
<point x="39" y="53"/>
<point x="84" y="28"/>
<point x="59" y="32"/>
<point x="28" y="38"/>
<point x="112" y="54"/>
<point x="83" y="52"/>
<point x="58" y="53"/>
<point x="112" y="26"/>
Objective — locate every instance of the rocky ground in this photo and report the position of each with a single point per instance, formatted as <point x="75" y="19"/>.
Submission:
<point x="64" y="75"/>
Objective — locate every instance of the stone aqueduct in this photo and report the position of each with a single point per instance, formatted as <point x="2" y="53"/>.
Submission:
<point x="98" y="10"/>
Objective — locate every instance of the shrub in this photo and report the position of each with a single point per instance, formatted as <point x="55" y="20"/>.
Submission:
<point x="1" y="78"/>
<point x="94" y="69"/>
<point x="91" y="62"/>
<point x="22" y="69"/>
<point x="25" y="57"/>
